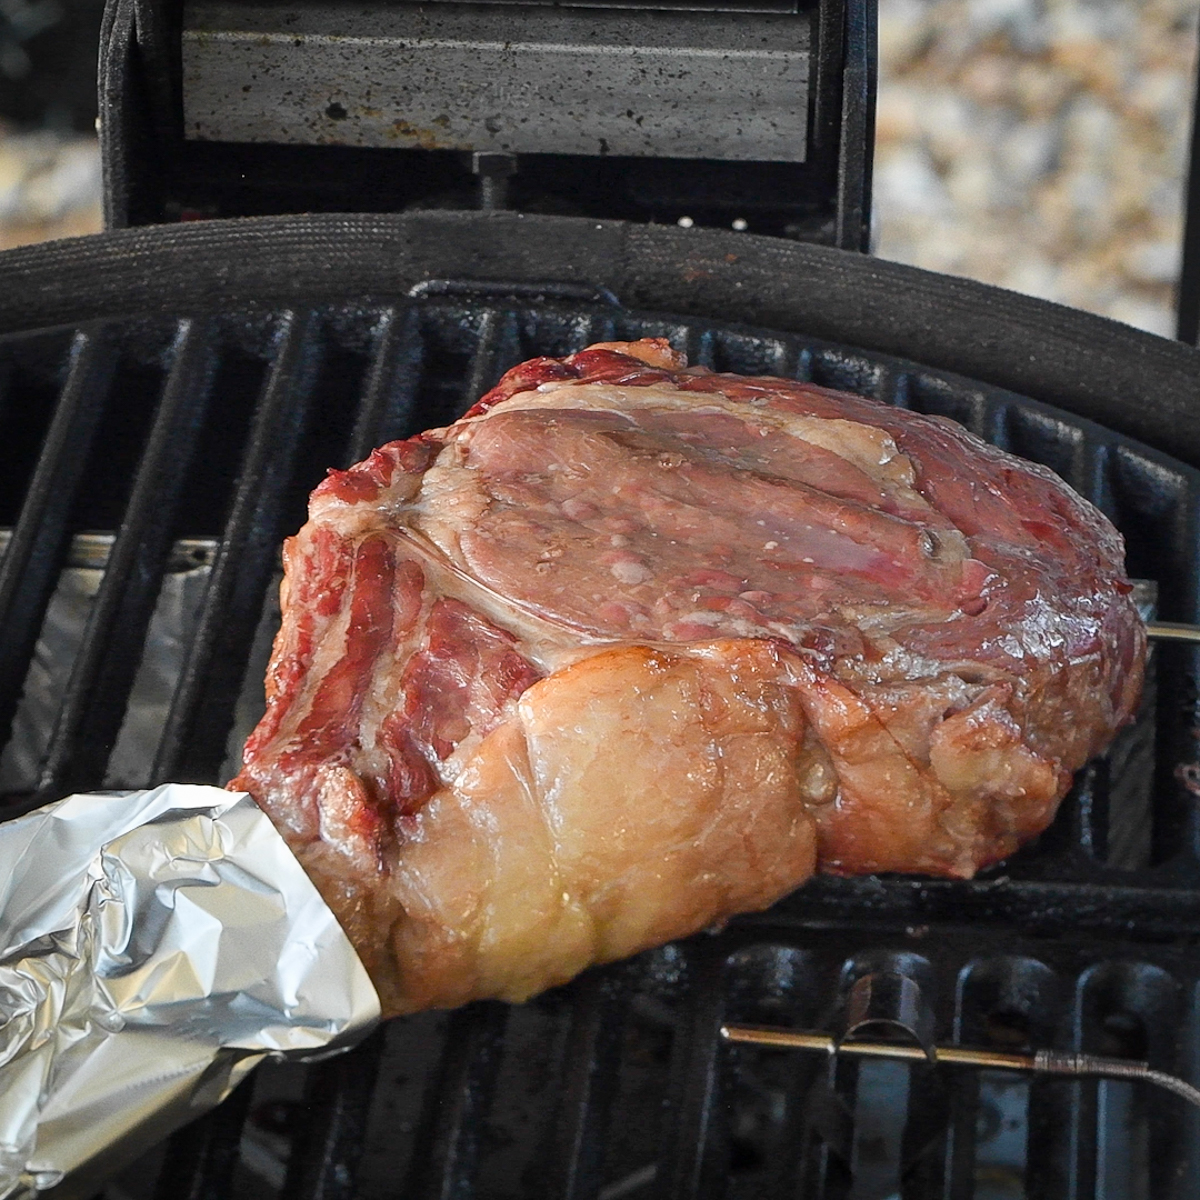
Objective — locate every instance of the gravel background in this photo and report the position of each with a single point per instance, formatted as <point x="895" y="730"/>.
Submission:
<point x="49" y="186"/>
<point x="1035" y="144"/>
<point x="1039" y="145"/>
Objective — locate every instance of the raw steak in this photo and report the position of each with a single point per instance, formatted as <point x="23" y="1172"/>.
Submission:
<point x="631" y="648"/>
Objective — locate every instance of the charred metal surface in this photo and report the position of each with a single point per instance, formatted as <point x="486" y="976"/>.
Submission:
<point x="505" y="78"/>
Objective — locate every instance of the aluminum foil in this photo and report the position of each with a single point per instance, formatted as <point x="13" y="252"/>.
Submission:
<point x="171" y="630"/>
<point x="154" y="947"/>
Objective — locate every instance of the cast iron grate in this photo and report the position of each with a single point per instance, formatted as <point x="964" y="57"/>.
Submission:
<point x="214" y="429"/>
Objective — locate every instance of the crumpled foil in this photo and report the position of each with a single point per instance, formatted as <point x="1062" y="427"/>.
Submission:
<point x="154" y="947"/>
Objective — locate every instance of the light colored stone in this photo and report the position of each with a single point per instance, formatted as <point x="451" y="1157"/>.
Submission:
<point x="907" y="183"/>
<point x="1059" y="131"/>
<point x="67" y="181"/>
<point x="1153" y="262"/>
<point x="973" y="183"/>
<point x="898" y="117"/>
<point x="50" y="187"/>
<point x="12" y="173"/>
<point x="1021" y="20"/>
<point x="904" y="29"/>
<point x="1028" y="152"/>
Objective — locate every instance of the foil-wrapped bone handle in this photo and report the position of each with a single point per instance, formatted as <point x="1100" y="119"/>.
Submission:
<point x="154" y="947"/>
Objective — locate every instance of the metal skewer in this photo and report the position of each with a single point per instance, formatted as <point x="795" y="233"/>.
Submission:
<point x="1145" y="597"/>
<point x="1172" y="631"/>
<point x="1044" y="1062"/>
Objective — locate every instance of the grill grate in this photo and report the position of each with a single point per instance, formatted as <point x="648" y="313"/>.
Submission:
<point x="617" y="1085"/>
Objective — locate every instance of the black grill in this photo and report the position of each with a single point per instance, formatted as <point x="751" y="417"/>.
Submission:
<point x="201" y="436"/>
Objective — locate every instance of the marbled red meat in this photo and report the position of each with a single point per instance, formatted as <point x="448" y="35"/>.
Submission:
<point x="631" y="648"/>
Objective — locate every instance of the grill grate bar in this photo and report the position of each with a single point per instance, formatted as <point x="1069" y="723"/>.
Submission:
<point x="1083" y="1176"/>
<point x="598" y="327"/>
<point x="1055" y="1130"/>
<point x="330" y="1140"/>
<point x="577" y="1151"/>
<point x="693" y="1148"/>
<point x="960" y="1149"/>
<point x="193" y="743"/>
<point x="793" y="1148"/>
<point x="387" y="411"/>
<point x="201" y="1157"/>
<point x="498" y="348"/>
<point x="829" y="1131"/>
<point x="30" y="566"/>
<point x="457" y="1108"/>
<point x="108" y="657"/>
<point x="923" y="1167"/>
<point x="6" y="387"/>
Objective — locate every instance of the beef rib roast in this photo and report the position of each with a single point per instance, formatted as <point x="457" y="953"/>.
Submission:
<point x="633" y="647"/>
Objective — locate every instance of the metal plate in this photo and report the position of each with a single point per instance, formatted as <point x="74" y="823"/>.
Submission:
<point x="534" y="80"/>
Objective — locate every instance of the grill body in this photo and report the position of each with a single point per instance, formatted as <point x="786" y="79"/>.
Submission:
<point x="207" y="409"/>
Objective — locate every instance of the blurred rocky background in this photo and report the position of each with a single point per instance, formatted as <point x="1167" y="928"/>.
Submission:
<point x="49" y="160"/>
<point x="1039" y="145"/>
<point x="1035" y="144"/>
<point x="49" y="186"/>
